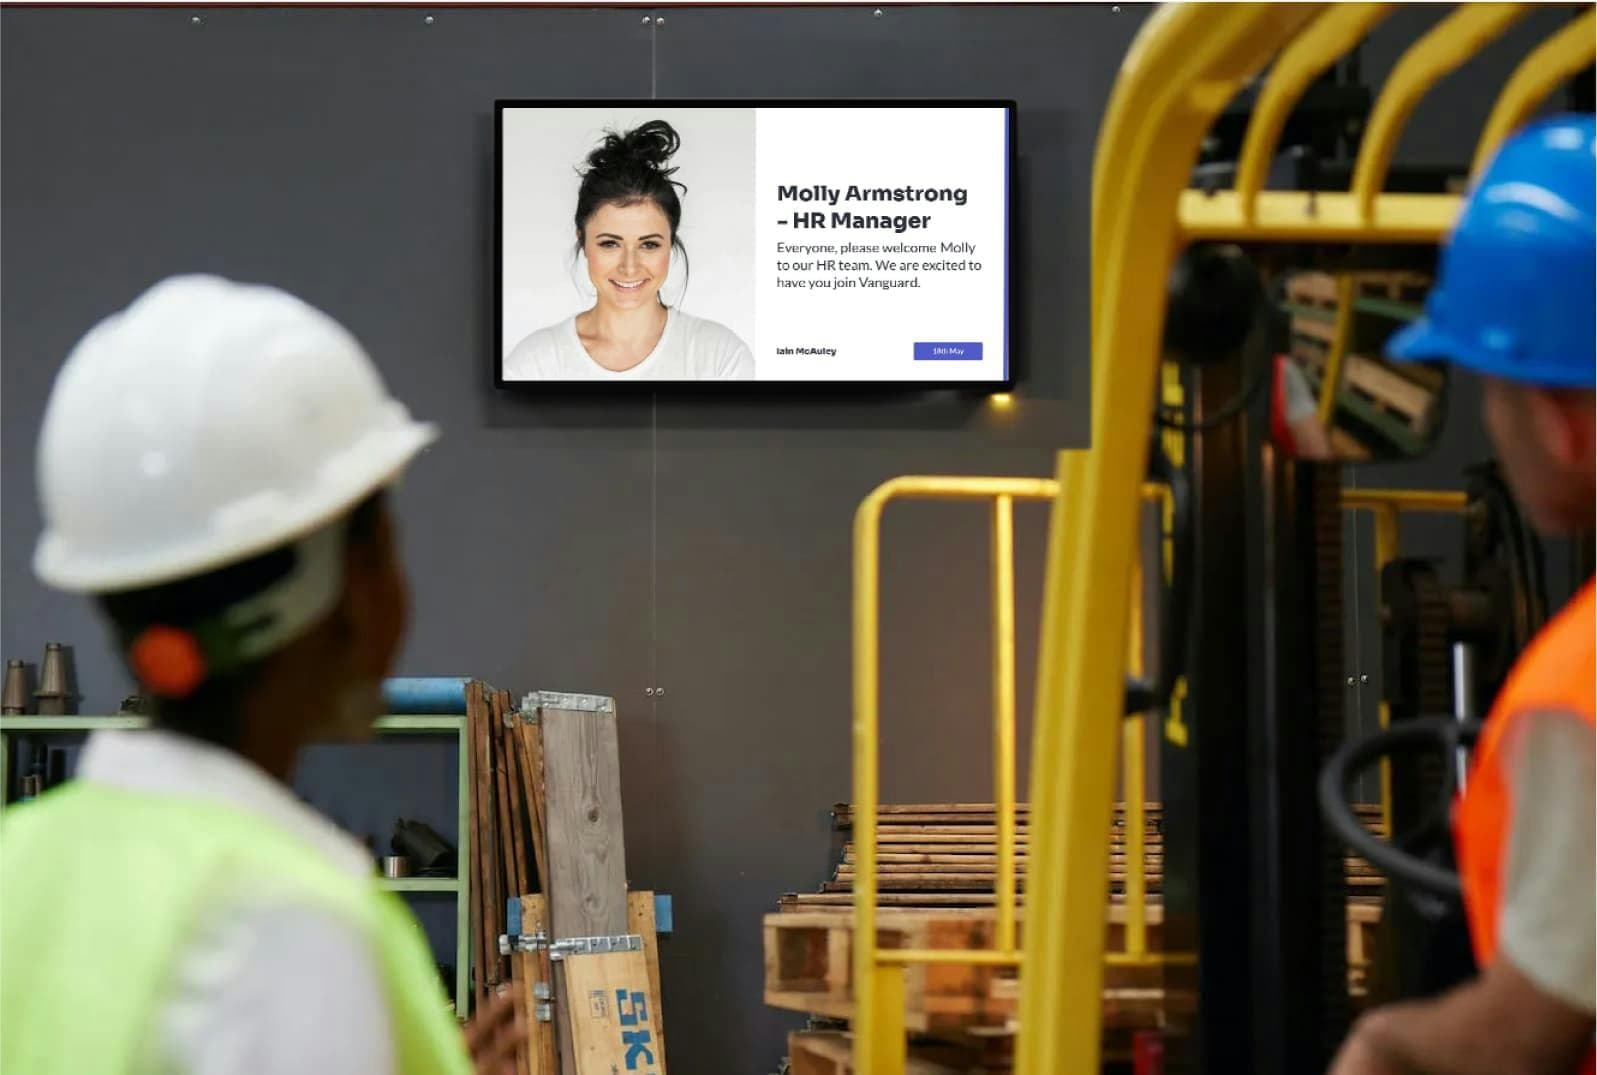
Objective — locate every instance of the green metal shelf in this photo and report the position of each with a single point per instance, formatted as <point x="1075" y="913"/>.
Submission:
<point x="420" y="722"/>
<point x="396" y="724"/>
<point x="70" y="724"/>
<point x="421" y="884"/>
<point x="1398" y="311"/>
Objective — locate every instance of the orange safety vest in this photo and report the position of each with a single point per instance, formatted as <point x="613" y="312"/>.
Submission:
<point x="1557" y="671"/>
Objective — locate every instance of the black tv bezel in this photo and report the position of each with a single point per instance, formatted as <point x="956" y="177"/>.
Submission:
<point x="754" y="388"/>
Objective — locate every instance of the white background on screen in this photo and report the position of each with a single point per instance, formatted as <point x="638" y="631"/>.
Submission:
<point x="875" y="331"/>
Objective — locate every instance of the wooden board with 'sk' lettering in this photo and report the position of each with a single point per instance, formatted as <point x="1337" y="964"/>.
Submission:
<point x="611" y="1014"/>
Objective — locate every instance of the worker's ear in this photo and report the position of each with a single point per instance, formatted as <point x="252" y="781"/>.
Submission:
<point x="375" y="605"/>
<point x="1564" y="422"/>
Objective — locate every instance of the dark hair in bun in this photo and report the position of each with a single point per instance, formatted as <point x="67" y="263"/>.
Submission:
<point x="631" y="167"/>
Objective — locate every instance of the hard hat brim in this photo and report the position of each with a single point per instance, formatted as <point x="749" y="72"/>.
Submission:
<point x="372" y="463"/>
<point x="1422" y="341"/>
<point x="1419" y="341"/>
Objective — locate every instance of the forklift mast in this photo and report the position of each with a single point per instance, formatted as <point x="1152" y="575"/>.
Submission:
<point x="1247" y="125"/>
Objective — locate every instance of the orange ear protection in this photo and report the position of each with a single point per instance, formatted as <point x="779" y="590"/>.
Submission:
<point x="168" y="661"/>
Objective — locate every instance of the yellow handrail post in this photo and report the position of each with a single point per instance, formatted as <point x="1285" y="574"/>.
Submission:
<point x="873" y="1002"/>
<point x="1133" y="787"/>
<point x="1003" y="559"/>
<point x="1341" y="336"/>
<point x="890" y="1054"/>
<point x="878" y="976"/>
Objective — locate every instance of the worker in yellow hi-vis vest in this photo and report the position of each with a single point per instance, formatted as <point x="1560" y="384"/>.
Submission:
<point x="212" y="467"/>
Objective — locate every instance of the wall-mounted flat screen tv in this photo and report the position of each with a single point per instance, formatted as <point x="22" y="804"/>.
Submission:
<point x="753" y="244"/>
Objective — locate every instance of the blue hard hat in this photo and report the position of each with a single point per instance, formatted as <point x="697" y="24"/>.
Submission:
<point x="1515" y="298"/>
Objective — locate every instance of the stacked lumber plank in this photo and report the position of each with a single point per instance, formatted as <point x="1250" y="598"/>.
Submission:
<point x="547" y="848"/>
<point x="940" y="855"/>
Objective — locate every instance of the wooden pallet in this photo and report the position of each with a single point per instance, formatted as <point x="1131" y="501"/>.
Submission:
<point x="1320" y="289"/>
<point x="808" y="968"/>
<point x="829" y="1052"/>
<point x="1409" y="287"/>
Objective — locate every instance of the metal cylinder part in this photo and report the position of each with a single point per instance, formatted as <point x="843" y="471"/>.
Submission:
<point x="16" y="694"/>
<point x="396" y="866"/>
<point x="55" y="695"/>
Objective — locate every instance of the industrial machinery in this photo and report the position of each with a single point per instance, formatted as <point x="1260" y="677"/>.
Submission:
<point x="1446" y="650"/>
<point x="1253" y="885"/>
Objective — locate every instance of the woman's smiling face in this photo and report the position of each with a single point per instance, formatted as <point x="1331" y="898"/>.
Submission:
<point x="629" y="253"/>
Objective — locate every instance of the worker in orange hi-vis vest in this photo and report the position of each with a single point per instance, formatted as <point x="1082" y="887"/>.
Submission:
<point x="1515" y="304"/>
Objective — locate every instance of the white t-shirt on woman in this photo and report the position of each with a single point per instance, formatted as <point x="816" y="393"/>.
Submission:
<point x="690" y="349"/>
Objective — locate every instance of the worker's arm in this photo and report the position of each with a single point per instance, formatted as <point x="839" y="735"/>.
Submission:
<point x="1530" y="1010"/>
<point x="1309" y="437"/>
<point x="1501" y="1023"/>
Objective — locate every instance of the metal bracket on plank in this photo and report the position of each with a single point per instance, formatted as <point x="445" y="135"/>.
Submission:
<point x="580" y="703"/>
<point x="570" y="946"/>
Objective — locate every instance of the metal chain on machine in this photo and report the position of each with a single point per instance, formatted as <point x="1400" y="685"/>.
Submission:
<point x="1422" y="944"/>
<point x="1433" y="694"/>
<point x="1415" y="633"/>
<point x="1331" y="713"/>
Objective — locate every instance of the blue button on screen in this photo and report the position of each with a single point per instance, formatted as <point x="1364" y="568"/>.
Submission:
<point x="947" y="352"/>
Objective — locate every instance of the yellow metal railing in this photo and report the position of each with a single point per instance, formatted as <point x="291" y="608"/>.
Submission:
<point x="879" y="994"/>
<point x="878" y="973"/>
<point x="1187" y="62"/>
<point x="1387" y="506"/>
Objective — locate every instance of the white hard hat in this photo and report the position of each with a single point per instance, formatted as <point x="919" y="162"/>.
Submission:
<point x="206" y="423"/>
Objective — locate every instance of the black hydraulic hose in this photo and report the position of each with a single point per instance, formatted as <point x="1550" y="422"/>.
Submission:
<point x="1352" y="758"/>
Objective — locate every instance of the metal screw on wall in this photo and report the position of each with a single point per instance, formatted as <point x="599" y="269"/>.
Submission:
<point x="647" y="20"/>
<point x="876" y="14"/>
<point x="660" y="21"/>
<point x="1350" y="681"/>
<point x="649" y="691"/>
<point x="428" y="20"/>
<point x="659" y="692"/>
<point x="1364" y="678"/>
<point x="195" y="21"/>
